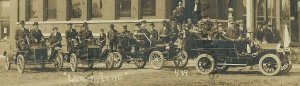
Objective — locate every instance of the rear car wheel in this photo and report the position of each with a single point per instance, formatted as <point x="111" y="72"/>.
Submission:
<point x="20" y="63"/>
<point x="58" y="64"/>
<point x="118" y="60"/>
<point x="182" y="59"/>
<point x="140" y="63"/>
<point x="7" y="63"/>
<point x="205" y="64"/>
<point x="269" y="64"/>
<point x="286" y="65"/>
<point x="109" y="61"/>
<point x="222" y="68"/>
<point x="156" y="60"/>
<point x="73" y="62"/>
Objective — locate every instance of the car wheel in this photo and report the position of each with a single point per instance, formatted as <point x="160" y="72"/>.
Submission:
<point x="269" y="64"/>
<point x="73" y="62"/>
<point x="20" y="63"/>
<point x="118" y="60"/>
<point x="58" y="64"/>
<point x="205" y="64"/>
<point x="182" y="59"/>
<point x="156" y="60"/>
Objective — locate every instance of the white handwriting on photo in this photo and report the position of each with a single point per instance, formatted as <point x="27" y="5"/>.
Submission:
<point x="96" y="78"/>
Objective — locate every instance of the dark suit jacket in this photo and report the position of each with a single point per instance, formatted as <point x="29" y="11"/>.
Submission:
<point x="71" y="34"/>
<point x="36" y="34"/>
<point x="55" y="39"/>
<point x="21" y="34"/>
<point x="86" y="34"/>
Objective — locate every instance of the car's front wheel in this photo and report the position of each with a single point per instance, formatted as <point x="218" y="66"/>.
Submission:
<point x="269" y="64"/>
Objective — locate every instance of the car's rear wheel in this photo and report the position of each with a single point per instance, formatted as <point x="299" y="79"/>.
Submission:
<point x="156" y="60"/>
<point x="118" y="60"/>
<point x="286" y="65"/>
<point x="269" y="64"/>
<point x="58" y="64"/>
<point x="205" y="64"/>
<point x="73" y="62"/>
<point x="20" y="63"/>
<point x="140" y="63"/>
<point x="182" y="59"/>
<point x="109" y="63"/>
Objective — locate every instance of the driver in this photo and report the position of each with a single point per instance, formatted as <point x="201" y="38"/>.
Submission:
<point x="85" y="36"/>
<point x="55" y="41"/>
<point x="36" y="34"/>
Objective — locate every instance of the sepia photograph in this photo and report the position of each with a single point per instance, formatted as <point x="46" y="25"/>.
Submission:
<point x="149" y="42"/>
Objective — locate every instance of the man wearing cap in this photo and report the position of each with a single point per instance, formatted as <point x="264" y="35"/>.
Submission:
<point x="125" y="39"/>
<point x="86" y="34"/>
<point x="154" y="34"/>
<point x="232" y="30"/>
<point x="36" y="34"/>
<point x="22" y="34"/>
<point x="55" y="41"/>
<point x="271" y="35"/>
<point x="143" y="28"/>
<point x="71" y="34"/>
<point x="164" y="33"/>
<point x="112" y="37"/>
<point x="102" y="39"/>
<point x="179" y="13"/>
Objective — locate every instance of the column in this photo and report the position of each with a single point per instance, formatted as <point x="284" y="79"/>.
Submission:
<point x="250" y="18"/>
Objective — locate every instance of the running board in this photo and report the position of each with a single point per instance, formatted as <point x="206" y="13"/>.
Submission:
<point x="232" y="64"/>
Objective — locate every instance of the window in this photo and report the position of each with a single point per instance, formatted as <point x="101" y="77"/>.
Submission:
<point x="125" y="8"/>
<point x="51" y="9"/>
<point x="148" y="8"/>
<point x="5" y="5"/>
<point x="33" y="8"/>
<point x="96" y="9"/>
<point x="76" y="8"/>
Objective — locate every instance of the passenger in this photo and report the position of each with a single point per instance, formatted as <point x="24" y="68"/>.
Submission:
<point x="154" y="34"/>
<point x="36" y="34"/>
<point x="102" y="39"/>
<point x="55" y="41"/>
<point x="22" y="36"/>
<point x="71" y="35"/>
<point x="126" y="37"/>
<point x="164" y="33"/>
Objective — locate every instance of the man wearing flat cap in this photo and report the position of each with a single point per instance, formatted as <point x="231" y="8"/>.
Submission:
<point x="55" y="41"/>
<point x="143" y="27"/>
<point x="125" y="39"/>
<point x="22" y="34"/>
<point x="112" y="37"/>
<point x="153" y="34"/>
<point x="71" y="34"/>
<point x="36" y="34"/>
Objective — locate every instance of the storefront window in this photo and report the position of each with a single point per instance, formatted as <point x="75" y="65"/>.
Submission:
<point x="125" y="8"/>
<point x="76" y="8"/>
<point x="5" y="9"/>
<point x="96" y="9"/>
<point x="148" y="8"/>
<point x="33" y="8"/>
<point x="51" y="9"/>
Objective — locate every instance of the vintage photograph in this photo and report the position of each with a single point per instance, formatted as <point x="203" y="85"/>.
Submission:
<point x="149" y="42"/>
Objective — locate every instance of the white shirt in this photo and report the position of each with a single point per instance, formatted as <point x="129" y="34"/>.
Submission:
<point x="195" y="7"/>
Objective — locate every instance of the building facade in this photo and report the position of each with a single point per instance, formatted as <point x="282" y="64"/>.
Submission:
<point x="100" y="13"/>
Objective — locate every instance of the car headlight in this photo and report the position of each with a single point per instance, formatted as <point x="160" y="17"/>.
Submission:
<point x="132" y="49"/>
<point x="167" y="47"/>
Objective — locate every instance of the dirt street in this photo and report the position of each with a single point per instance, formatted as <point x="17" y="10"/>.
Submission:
<point x="128" y="75"/>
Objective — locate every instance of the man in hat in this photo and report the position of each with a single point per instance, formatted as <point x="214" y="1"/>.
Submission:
<point x="179" y="13"/>
<point x="55" y="41"/>
<point x="125" y="39"/>
<point x="143" y="27"/>
<point x="86" y="34"/>
<point x="112" y="37"/>
<point x="232" y="30"/>
<point x="271" y="35"/>
<point x="102" y="39"/>
<point x="71" y="34"/>
<point x="164" y="33"/>
<point x="22" y="34"/>
<point x="36" y="34"/>
<point x="154" y="34"/>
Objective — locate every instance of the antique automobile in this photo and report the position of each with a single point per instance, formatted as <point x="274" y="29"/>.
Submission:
<point x="33" y="54"/>
<point x="168" y="51"/>
<point x="88" y="53"/>
<point x="133" y="50"/>
<point x="219" y="55"/>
